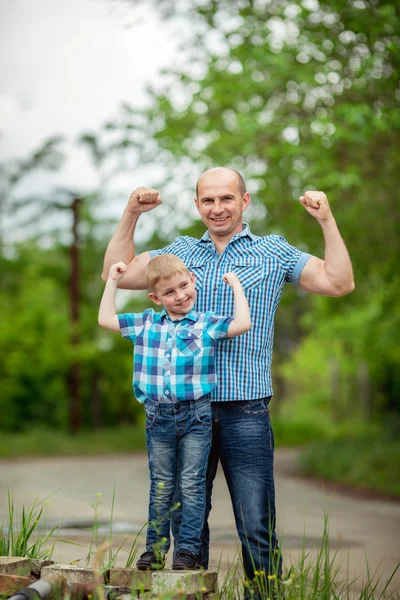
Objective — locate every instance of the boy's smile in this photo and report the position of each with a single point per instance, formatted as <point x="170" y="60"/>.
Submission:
<point x="177" y="294"/>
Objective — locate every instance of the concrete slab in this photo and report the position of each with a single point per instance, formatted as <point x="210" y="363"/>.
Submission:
<point x="190" y="582"/>
<point x="15" y="565"/>
<point x="132" y="578"/>
<point x="72" y="573"/>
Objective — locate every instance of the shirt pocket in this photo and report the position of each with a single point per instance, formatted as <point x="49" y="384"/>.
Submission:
<point x="189" y="342"/>
<point x="250" y="271"/>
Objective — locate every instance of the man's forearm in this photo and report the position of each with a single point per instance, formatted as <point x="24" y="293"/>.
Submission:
<point x="337" y="260"/>
<point x="121" y="246"/>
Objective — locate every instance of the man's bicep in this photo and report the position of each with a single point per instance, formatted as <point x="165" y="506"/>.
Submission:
<point x="134" y="278"/>
<point x="314" y="279"/>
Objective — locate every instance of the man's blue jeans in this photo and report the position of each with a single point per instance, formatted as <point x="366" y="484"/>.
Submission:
<point x="178" y="440"/>
<point x="243" y="441"/>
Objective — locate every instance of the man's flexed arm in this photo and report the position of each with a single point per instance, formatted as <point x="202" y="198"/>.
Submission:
<point x="334" y="275"/>
<point x="121" y="246"/>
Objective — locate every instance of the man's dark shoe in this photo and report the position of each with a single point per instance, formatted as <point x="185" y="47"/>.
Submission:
<point x="185" y="560"/>
<point x="150" y="562"/>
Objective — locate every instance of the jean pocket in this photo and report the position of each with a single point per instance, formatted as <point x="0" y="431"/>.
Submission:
<point x="203" y="413"/>
<point x="189" y="343"/>
<point x="253" y="407"/>
<point x="150" y="417"/>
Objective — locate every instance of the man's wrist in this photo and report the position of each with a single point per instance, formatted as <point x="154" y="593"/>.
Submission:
<point x="132" y="212"/>
<point x="327" y="221"/>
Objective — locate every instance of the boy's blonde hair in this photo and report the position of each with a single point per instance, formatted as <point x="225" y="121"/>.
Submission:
<point x="163" y="266"/>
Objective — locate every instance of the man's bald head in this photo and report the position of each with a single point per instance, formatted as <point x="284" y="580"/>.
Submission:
<point x="240" y="181"/>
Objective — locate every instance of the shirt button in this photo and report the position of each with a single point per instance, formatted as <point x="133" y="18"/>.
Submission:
<point x="166" y="372"/>
<point x="167" y="355"/>
<point x="166" y="392"/>
<point x="189" y="334"/>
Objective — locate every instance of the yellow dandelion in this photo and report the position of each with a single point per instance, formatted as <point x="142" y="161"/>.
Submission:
<point x="99" y="495"/>
<point x="287" y="582"/>
<point x="203" y="589"/>
<point x="271" y="577"/>
<point x="256" y="573"/>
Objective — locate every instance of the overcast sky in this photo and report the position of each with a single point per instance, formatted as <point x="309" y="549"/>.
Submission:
<point x="66" y="66"/>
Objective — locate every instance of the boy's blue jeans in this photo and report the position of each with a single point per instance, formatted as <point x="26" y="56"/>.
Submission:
<point x="242" y="440"/>
<point x="178" y="440"/>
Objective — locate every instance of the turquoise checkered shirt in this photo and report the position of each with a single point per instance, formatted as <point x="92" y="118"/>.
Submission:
<point x="173" y="360"/>
<point x="263" y="265"/>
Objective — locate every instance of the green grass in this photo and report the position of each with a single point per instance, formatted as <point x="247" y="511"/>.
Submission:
<point x="317" y="575"/>
<point x="365" y="462"/>
<point x="55" y="443"/>
<point x="19" y="537"/>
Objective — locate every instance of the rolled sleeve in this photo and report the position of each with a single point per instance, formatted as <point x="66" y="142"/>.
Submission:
<point x="290" y="258"/>
<point x="131" y="324"/>
<point x="303" y="259"/>
<point x="217" y="326"/>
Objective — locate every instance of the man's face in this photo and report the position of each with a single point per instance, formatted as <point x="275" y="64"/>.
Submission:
<point x="177" y="294"/>
<point x="220" y="202"/>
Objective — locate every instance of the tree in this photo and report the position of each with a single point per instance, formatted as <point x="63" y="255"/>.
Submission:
<point x="299" y="95"/>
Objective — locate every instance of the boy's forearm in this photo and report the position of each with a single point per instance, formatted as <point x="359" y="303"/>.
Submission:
<point x="107" y="312"/>
<point x="241" y="320"/>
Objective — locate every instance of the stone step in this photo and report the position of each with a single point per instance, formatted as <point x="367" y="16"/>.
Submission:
<point x="191" y="583"/>
<point x="15" y="565"/>
<point x="73" y="573"/>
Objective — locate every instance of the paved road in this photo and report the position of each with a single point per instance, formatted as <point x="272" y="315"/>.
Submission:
<point x="361" y="529"/>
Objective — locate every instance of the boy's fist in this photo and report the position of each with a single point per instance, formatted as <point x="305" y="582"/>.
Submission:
<point x="230" y="278"/>
<point x="117" y="271"/>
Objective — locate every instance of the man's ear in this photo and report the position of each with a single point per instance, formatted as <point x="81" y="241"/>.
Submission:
<point x="246" y="201"/>
<point x="154" y="298"/>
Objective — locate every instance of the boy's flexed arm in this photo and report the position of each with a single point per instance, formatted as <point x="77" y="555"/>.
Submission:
<point x="107" y="314"/>
<point x="241" y="320"/>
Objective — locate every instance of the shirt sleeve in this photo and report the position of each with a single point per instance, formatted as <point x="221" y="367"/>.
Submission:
<point x="217" y="326"/>
<point x="131" y="324"/>
<point x="291" y="259"/>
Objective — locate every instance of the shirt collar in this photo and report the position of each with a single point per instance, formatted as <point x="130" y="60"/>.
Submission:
<point x="245" y="232"/>
<point x="192" y="316"/>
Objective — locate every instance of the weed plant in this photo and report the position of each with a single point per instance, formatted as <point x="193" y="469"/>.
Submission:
<point x="16" y="539"/>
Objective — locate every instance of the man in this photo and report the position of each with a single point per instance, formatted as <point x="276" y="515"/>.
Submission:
<point x="242" y="435"/>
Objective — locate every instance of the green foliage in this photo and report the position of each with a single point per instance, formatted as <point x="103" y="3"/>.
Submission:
<point x="17" y="540"/>
<point x="367" y="462"/>
<point x="45" y="441"/>
<point x="35" y="344"/>
<point x="302" y="96"/>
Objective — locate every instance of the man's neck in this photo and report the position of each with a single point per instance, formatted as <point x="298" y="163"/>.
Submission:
<point x="221" y="242"/>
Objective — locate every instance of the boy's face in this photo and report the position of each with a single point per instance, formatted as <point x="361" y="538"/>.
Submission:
<point x="177" y="294"/>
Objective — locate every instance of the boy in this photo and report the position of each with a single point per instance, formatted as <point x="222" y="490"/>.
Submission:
<point x="173" y="376"/>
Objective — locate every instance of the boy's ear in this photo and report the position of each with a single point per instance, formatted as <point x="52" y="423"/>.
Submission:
<point x="192" y="277"/>
<point x="154" y="298"/>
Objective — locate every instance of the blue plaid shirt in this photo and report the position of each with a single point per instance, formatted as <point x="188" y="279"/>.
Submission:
<point x="263" y="265"/>
<point x="173" y="360"/>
